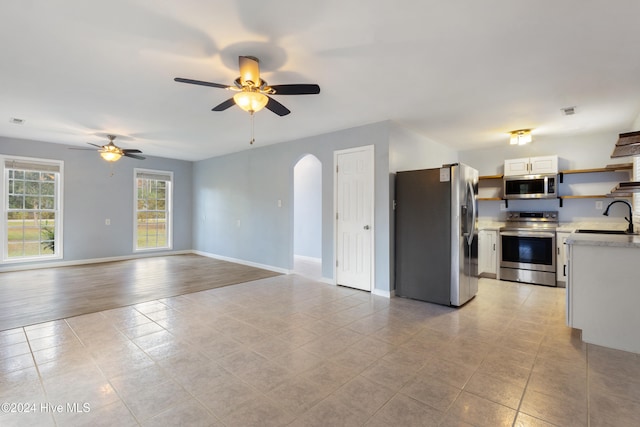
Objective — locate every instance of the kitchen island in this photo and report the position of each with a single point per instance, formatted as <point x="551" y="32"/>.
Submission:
<point x="603" y="290"/>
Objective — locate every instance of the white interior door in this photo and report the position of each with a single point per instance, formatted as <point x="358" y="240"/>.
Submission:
<point x="354" y="217"/>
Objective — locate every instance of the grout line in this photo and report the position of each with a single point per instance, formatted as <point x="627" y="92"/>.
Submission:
<point x="588" y="388"/>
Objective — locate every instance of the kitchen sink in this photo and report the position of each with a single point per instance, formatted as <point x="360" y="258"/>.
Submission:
<point x="586" y="230"/>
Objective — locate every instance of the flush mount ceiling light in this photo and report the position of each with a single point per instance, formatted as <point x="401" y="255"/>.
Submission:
<point x="520" y="137"/>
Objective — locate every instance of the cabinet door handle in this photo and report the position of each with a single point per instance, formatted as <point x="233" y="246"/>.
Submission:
<point x="564" y="270"/>
<point x="494" y="246"/>
<point x="558" y="251"/>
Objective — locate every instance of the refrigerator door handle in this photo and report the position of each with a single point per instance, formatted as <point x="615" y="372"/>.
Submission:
<point x="472" y="200"/>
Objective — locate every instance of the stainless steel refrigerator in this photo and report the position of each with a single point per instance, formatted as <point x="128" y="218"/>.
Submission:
<point x="436" y="237"/>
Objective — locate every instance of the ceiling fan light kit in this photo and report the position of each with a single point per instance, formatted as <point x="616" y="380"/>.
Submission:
<point x="253" y="91"/>
<point x="250" y="101"/>
<point x="111" y="152"/>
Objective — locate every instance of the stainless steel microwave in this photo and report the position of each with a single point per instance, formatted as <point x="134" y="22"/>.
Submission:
<point x="530" y="187"/>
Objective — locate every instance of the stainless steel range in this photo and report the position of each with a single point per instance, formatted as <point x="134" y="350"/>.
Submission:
<point x="528" y="247"/>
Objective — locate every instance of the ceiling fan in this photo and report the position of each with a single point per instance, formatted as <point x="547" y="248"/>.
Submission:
<point x="111" y="152"/>
<point x="253" y="92"/>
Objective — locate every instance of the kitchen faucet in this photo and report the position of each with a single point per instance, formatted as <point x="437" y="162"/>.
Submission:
<point x="630" y="219"/>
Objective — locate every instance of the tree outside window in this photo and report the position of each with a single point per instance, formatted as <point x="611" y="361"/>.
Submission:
<point x="32" y="209"/>
<point x="153" y="202"/>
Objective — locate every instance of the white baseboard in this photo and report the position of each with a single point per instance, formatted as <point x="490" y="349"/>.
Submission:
<point x="385" y="294"/>
<point x="308" y="258"/>
<point x="53" y="264"/>
<point x="243" y="262"/>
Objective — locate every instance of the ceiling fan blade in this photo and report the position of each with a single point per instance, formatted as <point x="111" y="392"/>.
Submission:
<point x="134" y="156"/>
<point x="199" y="82"/>
<point x="276" y="107"/>
<point x="131" y="150"/>
<point x="95" y="145"/>
<point x="80" y="148"/>
<point x="249" y="70"/>
<point x="294" y="89"/>
<point x="223" y="106"/>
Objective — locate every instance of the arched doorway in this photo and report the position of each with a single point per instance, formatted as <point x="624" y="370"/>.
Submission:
<point x="307" y="217"/>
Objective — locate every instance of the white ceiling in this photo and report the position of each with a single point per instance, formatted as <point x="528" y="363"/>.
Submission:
<point x="460" y="72"/>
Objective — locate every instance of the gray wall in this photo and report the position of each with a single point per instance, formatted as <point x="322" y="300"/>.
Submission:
<point x="246" y="187"/>
<point x="228" y="206"/>
<point x="410" y="151"/>
<point x="95" y="190"/>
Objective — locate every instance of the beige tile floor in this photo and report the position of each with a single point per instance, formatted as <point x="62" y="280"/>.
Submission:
<point x="290" y="351"/>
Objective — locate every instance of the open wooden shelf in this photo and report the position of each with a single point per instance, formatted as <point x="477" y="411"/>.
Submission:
<point x="618" y="167"/>
<point x="608" y="168"/>
<point x="591" y="196"/>
<point x="594" y="196"/>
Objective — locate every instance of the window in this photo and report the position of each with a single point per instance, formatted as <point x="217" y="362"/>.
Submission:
<point x="152" y="209"/>
<point x="32" y="209"/>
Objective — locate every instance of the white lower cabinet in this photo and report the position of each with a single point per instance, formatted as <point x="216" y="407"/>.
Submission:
<point x="488" y="253"/>
<point x="603" y="292"/>
<point x="561" y="258"/>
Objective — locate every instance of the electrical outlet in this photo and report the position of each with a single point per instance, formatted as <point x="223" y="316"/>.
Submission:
<point x="238" y="223"/>
<point x="503" y="206"/>
<point x="107" y="221"/>
<point x="279" y="203"/>
<point x="599" y="205"/>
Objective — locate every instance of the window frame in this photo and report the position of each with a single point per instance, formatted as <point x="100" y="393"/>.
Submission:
<point x="58" y="207"/>
<point x="168" y="208"/>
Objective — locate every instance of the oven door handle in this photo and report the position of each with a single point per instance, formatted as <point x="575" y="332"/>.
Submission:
<point x="527" y="234"/>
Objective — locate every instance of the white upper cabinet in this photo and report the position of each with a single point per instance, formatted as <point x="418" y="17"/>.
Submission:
<point x="531" y="166"/>
<point x="516" y="167"/>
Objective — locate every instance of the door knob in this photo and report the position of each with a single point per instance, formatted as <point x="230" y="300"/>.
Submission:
<point x="366" y="227"/>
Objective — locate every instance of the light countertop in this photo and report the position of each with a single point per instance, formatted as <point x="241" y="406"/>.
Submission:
<point x="604" y="240"/>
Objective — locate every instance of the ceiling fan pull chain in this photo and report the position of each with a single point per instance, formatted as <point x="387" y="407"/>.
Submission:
<point x="253" y="139"/>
